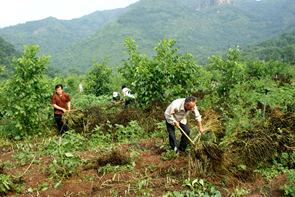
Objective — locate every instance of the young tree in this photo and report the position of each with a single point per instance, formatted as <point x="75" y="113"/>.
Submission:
<point x="233" y="71"/>
<point x="26" y="94"/>
<point x="168" y="71"/>
<point x="98" y="80"/>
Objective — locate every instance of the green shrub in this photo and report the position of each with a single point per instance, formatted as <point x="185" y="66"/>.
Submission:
<point x="289" y="187"/>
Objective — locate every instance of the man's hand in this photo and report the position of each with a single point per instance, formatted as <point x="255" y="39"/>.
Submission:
<point x="201" y="127"/>
<point x="176" y="124"/>
<point x="202" y="130"/>
<point x="64" y="110"/>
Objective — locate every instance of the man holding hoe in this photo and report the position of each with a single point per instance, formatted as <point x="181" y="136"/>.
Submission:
<point x="175" y="116"/>
<point x="60" y="101"/>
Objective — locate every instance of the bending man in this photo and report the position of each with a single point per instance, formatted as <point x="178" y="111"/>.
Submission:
<point x="60" y="101"/>
<point x="175" y="116"/>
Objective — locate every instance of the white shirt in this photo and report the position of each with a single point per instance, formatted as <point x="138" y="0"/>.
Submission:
<point x="175" y="112"/>
<point x="126" y="90"/>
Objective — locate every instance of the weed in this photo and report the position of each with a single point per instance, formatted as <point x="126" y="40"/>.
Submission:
<point x="6" y="183"/>
<point x="99" y="138"/>
<point x="64" y="162"/>
<point x="118" y="168"/>
<point x="289" y="187"/>
<point x="240" y="192"/>
<point x="169" y="155"/>
<point x="43" y="186"/>
<point x="129" y="133"/>
<point x="271" y="171"/>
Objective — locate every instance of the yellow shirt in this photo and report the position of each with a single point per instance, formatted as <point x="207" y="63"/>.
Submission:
<point x="176" y="112"/>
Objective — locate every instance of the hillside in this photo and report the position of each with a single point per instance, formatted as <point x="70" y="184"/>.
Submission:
<point x="282" y="48"/>
<point x="201" y="27"/>
<point x="54" y="35"/>
<point x="199" y="30"/>
<point x="7" y="51"/>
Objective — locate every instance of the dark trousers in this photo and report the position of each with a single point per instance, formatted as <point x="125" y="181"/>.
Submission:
<point x="60" y="126"/>
<point x="172" y="139"/>
<point x="128" y="102"/>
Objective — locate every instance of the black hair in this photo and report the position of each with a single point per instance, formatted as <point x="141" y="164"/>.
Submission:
<point x="189" y="99"/>
<point x="123" y="86"/>
<point x="58" y="86"/>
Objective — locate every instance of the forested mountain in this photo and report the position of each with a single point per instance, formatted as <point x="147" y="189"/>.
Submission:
<point x="282" y="48"/>
<point x="7" y="51"/>
<point x="53" y="35"/>
<point x="201" y="27"/>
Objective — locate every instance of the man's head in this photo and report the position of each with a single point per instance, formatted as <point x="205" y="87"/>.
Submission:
<point x="59" y="89"/>
<point x="189" y="103"/>
<point x="123" y="86"/>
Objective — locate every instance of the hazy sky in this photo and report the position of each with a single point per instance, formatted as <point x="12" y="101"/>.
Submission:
<point x="13" y="12"/>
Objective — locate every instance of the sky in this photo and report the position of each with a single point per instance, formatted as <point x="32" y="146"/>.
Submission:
<point x="13" y="12"/>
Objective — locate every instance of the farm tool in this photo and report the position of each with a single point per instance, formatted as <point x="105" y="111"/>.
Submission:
<point x="187" y="136"/>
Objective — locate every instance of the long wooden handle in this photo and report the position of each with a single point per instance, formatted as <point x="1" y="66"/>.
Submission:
<point x="186" y="136"/>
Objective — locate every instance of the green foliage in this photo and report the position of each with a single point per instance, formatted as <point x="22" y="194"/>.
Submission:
<point x="25" y="98"/>
<point x="176" y="74"/>
<point x="82" y="101"/>
<point x="64" y="158"/>
<point x="25" y="154"/>
<point x="233" y="72"/>
<point x="239" y="105"/>
<point x="7" y="51"/>
<point x="73" y="82"/>
<point x="262" y="69"/>
<point x="200" y="33"/>
<point x="271" y="171"/>
<point x="71" y="142"/>
<point x="99" y="138"/>
<point x="198" y="188"/>
<point x="289" y="188"/>
<point x="98" y="80"/>
<point x="129" y="133"/>
<point x="6" y="183"/>
<point x="118" y="168"/>
<point x="277" y="49"/>
<point x="56" y="35"/>
<point x="239" y="192"/>
<point x="169" y="155"/>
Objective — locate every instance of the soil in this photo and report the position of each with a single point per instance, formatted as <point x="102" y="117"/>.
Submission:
<point x="149" y="166"/>
<point x="152" y="176"/>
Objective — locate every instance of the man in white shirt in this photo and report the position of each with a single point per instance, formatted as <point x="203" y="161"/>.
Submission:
<point x="127" y="96"/>
<point x="175" y="116"/>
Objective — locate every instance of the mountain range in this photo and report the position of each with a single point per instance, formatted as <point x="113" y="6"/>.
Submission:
<point x="201" y="27"/>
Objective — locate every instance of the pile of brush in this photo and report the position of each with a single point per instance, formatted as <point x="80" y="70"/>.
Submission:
<point x="238" y="155"/>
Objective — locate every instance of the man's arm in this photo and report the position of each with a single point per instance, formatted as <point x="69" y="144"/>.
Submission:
<point x="198" y="118"/>
<point x="124" y="96"/>
<point x="60" y="108"/>
<point x="169" y="116"/>
<point x="200" y="127"/>
<point x="69" y="106"/>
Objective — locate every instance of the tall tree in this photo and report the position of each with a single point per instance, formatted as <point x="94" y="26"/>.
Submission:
<point x="26" y="94"/>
